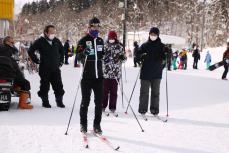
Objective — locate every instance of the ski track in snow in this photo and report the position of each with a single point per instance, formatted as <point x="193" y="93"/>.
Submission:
<point x="198" y="119"/>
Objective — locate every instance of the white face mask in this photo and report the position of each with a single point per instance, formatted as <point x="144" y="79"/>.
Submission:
<point x="153" y="38"/>
<point x="111" y="41"/>
<point x="51" y="36"/>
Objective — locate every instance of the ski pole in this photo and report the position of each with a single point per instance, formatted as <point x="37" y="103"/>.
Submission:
<point x="130" y="107"/>
<point x="166" y="82"/>
<point x="132" y="91"/>
<point x="81" y="75"/>
<point x="125" y="71"/>
<point x="122" y="90"/>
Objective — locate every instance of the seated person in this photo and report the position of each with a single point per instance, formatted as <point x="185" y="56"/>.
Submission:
<point x="10" y="69"/>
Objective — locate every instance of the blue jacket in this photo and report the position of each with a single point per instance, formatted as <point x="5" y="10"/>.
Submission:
<point x="208" y="58"/>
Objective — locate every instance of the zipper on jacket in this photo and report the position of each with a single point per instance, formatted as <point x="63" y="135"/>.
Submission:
<point x="96" y="58"/>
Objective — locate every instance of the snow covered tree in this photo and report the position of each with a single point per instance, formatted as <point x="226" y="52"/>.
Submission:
<point x="52" y="5"/>
<point x="34" y="8"/>
<point x="43" y="6"/>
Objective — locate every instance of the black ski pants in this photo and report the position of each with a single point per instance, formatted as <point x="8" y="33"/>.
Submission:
<point x="87" y="85"/>
<point x="52" y="77"/>
<point x="66" y="57"/>
<point x="195" y="63"/>
<point x="225" y="72"/>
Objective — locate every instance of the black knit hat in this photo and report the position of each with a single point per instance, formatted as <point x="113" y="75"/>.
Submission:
<point x="135" y="43"/>
<point x="94" y="21"/>
<point x="154" y="30"/>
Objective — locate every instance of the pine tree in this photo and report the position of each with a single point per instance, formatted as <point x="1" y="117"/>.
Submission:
<point x="34" y="7"/>
<point x="43" y="6"/>
<point x="52" y="4"/>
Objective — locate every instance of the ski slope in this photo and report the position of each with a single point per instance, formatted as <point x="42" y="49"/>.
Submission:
<point x="198" y="118"/>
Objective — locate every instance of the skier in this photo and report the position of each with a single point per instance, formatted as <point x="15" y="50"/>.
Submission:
<point x="174" y="59"/>
<point x="113" y="57"/>
<point x="21" y="85"/>
<point x="208" y="60"/>
<point x="196" y="56"/>
<point x="66" y="50"/>
<point x="136" y="46"/>
<point x="91" y="50"/>
<point x="51" y="59"/>
<point x="225" y="57"/>
<point x="76" y="60"/>
<point x="152" y="53"/>
<point x="183" y="59"/>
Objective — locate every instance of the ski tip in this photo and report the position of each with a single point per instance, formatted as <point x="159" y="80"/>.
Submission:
<point x="117" y="148"/>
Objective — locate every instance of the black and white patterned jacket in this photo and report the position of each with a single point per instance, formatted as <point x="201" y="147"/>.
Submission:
<point x="113" y="57"/>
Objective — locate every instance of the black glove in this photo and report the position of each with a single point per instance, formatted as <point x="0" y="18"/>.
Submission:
<point x="122" y="57"/>
<point x="37" y="61"/>
<point x="143" y="57"/>
<point x="87" y="51"/>
<point x="60" y="64"/>
<point x="226" y="60"/>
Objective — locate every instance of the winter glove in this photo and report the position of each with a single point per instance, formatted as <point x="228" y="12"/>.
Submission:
<point x="37" y="61"/>
<point x="87" y="51"/>
<point x="226" y="60"/>
<point x="143" y="57"/>
<point x="60" y="64"/>
<point x="122" y="57"/>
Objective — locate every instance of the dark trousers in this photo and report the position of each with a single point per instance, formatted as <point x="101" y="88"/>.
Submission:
<point x="144" y="96"/>
<point x="195" y="64"/>
<point x="50" y="77"/>
<point x="135" y="61"/>
<point x="169" y="63"/>
<point x="66" y="58"/>
<point x="75" y="61"/>
<point x="23" y="83"/>
<point x="110" y="88"/>
<point x="185" y="64"/>
<point x="86" y="87"/>
<point x="225" y="72"/>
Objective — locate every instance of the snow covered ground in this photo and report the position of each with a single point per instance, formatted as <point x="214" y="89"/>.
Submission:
<point x="198" y="118"/>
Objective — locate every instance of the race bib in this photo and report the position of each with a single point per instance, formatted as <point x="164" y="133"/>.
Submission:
<point x="99" y="48"/>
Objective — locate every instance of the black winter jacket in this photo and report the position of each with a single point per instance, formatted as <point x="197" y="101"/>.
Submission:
<point x="66" y="47"/>
<point x="8" y="66"/>
<point x="51" y="56"/>
<point x="153" y="54"/>
<point x="96" y="53"/>
<point x="196" y="54"/>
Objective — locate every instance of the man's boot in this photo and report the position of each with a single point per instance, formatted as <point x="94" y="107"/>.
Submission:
<point x="97" y="129"/>
<point x="59" y="101"/>
<point x="45" y="102"/>
<point x="23" y="101"/>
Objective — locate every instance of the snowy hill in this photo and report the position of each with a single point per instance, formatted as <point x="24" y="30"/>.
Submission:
<point x="198" y="118"/>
